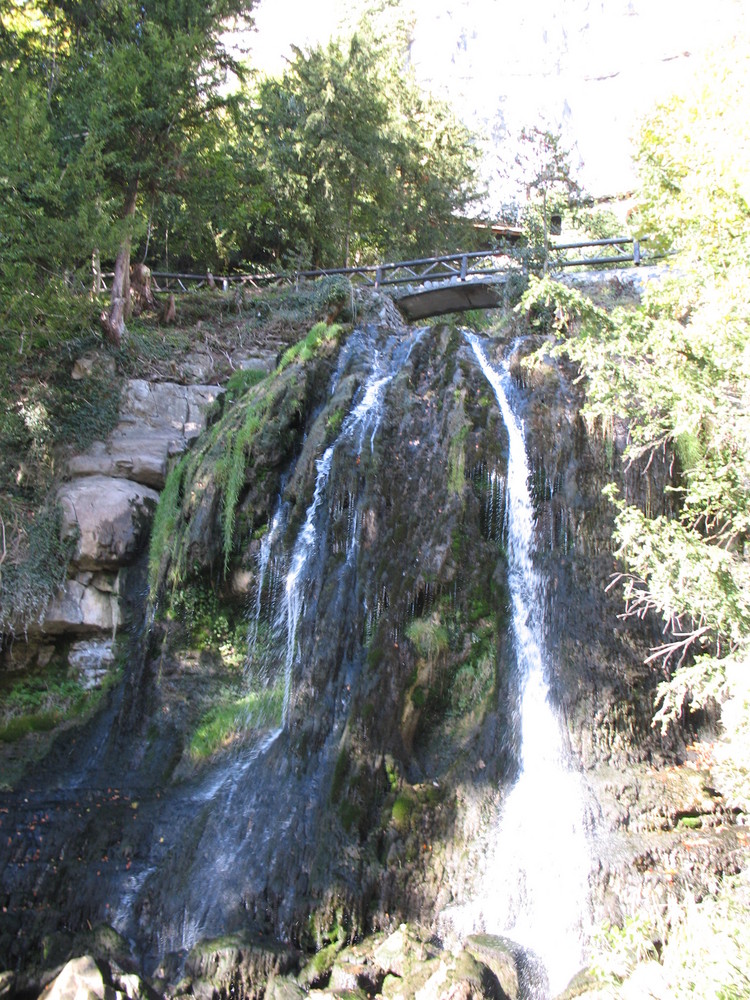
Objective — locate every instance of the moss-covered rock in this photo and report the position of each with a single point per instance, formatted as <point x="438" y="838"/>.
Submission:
<point x="224" y="966"/>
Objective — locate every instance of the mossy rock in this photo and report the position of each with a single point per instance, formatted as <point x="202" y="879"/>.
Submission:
<point x="234" y="962"/>
<point x="318" y="970"/>
<point x="583" y="984"/>
<point x="499" y="955"/>
<point x="283" y="988"/>
<point x="104" y="943"/>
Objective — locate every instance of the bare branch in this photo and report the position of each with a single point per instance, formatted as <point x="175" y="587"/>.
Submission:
<point x="681" y="644"/>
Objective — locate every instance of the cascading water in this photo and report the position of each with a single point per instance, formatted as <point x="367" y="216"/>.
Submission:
<point x="538" y="865"/>
<point x="362" y="420"/>
<point x="241" y="804"/>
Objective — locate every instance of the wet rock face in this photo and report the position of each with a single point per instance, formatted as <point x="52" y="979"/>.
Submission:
<point x="598" y="679"/>
<point x="398" y="683"/>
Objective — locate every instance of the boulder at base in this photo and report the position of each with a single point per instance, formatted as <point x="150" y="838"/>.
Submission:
<point x="85" y="979"/>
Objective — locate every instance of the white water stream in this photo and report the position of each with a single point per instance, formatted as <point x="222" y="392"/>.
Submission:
<point x="362" y="421"/>
<point x="536" y="880"/>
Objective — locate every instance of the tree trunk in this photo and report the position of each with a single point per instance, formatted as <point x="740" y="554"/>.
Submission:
<point x="349" y="216"/>
<point x="120" y="306"/>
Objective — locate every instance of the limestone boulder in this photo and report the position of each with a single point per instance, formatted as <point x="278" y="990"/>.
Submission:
<point x="111" y="517"/>
<point x="92" y="659"/>
<point x="86" y="979"/>
<point x="80" y="979"/>
<point x="157" y="421"/>
<point x="82" y="610"/>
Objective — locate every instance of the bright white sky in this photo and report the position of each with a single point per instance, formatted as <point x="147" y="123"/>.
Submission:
<point x="588" y="68"/>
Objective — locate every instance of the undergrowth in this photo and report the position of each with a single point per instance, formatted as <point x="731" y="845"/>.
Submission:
<point x="37" y="702"/>
<point x="235" y="718"/>
<point x="36" y="563"/>
<point x="210" y="625"/>
<point x="704" y="951"/>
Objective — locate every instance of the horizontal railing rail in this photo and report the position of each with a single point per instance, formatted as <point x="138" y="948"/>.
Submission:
<point x="460" y="266"/>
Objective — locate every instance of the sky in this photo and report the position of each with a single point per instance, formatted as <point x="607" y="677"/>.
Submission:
<point x="589" y="69"/>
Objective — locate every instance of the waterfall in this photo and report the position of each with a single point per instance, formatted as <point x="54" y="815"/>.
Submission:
<point x="539" y="860"/>
<point x="360" y="425"/>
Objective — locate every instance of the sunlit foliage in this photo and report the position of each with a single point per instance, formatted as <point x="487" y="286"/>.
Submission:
<point x="678" y="368"/>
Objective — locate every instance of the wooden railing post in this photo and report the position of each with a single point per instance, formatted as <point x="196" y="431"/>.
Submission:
<point x="378" y="277"/>
<point x="464" y="267"/>
<point x="636" y="252"/>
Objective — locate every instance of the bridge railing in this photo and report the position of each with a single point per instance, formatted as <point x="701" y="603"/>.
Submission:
<point x="618" y="256"/>
<point x="460" y="266"/>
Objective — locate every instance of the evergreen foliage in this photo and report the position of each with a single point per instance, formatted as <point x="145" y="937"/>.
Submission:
<point x="116" y="132"/>
<point x="356" y="164"/>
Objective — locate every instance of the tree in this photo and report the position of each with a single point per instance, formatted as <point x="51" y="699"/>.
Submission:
<point x="141" y="78"/>
<point x="356" y="161"/>
<point x="678" y="368"/>
<point x="548" y="176"/>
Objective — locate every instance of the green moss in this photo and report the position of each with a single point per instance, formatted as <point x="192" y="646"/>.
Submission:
<point x="340" y="772"/>
<point x="457" y="462"/>
<point x="471" y="684"/>
<point x="334" y="422"/>
<point x="418" y="697"/>
<point x="240" y="381"/>
<point x="458" y="541"/>
<point x="318" y="969"/>
<point x="479" y="606"/>
<point x="306" y="349"/>
<point x="401" y="813"/>
<point x="690" y="822"/>
<point x="349" y="813"/>
<point x="39" y="722"/>
<point x="375" y="656"/>
<point x="227" y="722"/>
<point x="391" y="773"/>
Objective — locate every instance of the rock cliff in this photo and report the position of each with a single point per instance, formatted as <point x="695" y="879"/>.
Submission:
<point x="312" y="738"/>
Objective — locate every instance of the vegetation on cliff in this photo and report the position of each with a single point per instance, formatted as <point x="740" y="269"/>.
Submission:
<point x="677" y="369"/>
<point x="118" y="138"/>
